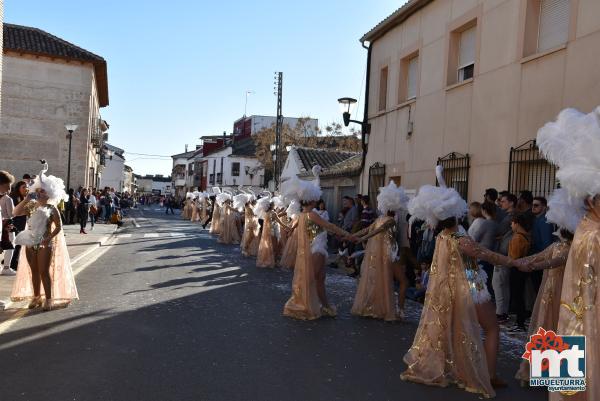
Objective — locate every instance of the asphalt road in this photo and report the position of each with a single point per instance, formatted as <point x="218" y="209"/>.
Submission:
<point x="166" y="313"/>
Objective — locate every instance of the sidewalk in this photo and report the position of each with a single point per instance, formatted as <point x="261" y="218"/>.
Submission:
<point x="79" y="246"/>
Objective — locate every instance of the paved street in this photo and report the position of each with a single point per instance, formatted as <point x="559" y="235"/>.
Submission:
<point x="166" y="313"/>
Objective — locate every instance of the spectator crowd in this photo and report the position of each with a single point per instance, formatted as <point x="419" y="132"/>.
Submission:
<point x="513" y="225"/>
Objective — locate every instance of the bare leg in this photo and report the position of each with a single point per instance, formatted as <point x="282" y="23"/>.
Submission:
<point x="400" y="276"/>
<point x="43" y="258"/>
<point x="31" y="255"/>
<point x="486" y="314"/>
<point x="318" y="261"/>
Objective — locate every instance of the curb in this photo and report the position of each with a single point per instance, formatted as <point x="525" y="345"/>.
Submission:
<point x="93" y="247"/>
<point x="7" y="302"/>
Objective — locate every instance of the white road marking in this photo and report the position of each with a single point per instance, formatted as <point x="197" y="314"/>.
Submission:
<point x="91" y="258"/>
<point x="151" y="235"/>
<point x="124" y="235"/>
<point x="177" y="234"/>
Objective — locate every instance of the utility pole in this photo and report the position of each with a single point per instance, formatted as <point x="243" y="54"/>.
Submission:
<point x="278" y="128"/>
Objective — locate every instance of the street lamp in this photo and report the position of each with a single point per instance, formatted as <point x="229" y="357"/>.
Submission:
<point x="347" y="106"/>
<point x="70" y="128"/>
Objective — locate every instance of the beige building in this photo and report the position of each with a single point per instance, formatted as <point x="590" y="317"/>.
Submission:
<point x="467" y="83"/>
<point x="46" y="84"/>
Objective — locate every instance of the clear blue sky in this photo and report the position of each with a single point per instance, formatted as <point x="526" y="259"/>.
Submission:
<point x="179" y="69"/>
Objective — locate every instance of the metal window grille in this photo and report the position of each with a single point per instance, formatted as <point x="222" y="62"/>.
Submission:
<point x="528" y="170"/>
<point x="376" y="180"/>
<point x="456" y="172"/>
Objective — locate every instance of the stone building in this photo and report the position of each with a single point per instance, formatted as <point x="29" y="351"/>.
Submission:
<point x="467" y="84"/>
<point x="339" y="177"/>
<point x="47" y="83"/>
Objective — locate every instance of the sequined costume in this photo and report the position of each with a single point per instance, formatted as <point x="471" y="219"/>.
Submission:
<point x="288" y="255"/>
<point x="580" y="313"/>
<point x="203" y="210"/>
<point x="250" y="237"/>
<point x="193" y="211"/>
<point x="547" y="304"/>
<point x="215" y="224"/>
<point x="230" y="231"/>
<point x="186" y="214"/>
<point x="304" y="302"/>
<point x="267" y="246"/>
<point x="63" y="285"/>
<point x="375" y="293"/>
<point x="447" y="347"/>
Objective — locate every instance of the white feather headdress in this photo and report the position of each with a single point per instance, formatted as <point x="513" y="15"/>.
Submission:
<point x="189" y="195"/>
<point x="391" y="198"/>
<point x="54" y="186"/>
<point x="565" y="210"/>
<point x="278" y="202"/>
<point x="261" y="207"/>
<point x="294" y="209"/>
<point x="295" y="188"/>
<point x="222" y="198"/>
<point x="572" y="142"/>
<point x="239" y="201"/>
<point x="434" y="204"/>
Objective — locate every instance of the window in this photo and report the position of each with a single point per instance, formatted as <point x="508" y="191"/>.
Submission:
<point x="411" y="78"/>
<point x="553" y="27"/>
<point x="235" y="169"/>
<point x="211" y="178"/>
<point x="466" y="54"/>
<point x="383" y="81"/>
<point x="219" y="178"/>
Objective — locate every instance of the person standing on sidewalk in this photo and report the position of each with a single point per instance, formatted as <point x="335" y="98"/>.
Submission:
<point x="19" y="192"/>
<point x="6" y="214"/>
<point x="169" y="205"/>
<point x="83" y="210"/>
<point x="501" y="277"/>
<point x="93" y="210"/>
<point x="46" y="269"/>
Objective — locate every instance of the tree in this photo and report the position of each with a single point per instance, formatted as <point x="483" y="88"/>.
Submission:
<point x="302" y="134"/>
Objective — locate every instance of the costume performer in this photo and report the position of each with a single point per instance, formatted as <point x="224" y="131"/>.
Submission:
<point x="230" y="231"/>
<point x="309" y="298"/>
<point x="375" y="293"/>
<point x="203" y="199"/>
<point x="288" y="255"/>
<point x="187" y="207"/>
<point x="566" y="212"/>
<point x="572" y="143"/>
<point x="268" y="240"/>
<point x="215" y="224"/>
<point x="250" y="237"/>
<point x="44" y="268"/>
<point x="447" y="347"/>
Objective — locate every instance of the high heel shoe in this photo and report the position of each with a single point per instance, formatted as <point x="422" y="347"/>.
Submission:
<point x="36" y="302"/>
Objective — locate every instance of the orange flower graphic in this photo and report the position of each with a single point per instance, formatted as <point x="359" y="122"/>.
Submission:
<point x="544" y="340"/>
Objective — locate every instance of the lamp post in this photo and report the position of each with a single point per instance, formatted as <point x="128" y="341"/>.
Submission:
<point x="70" y="128"/>
<point x="347" y="106"/>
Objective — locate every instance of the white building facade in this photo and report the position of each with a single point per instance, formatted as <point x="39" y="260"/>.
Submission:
<point x="234" y="165"/>
<point x="113" y="174"/>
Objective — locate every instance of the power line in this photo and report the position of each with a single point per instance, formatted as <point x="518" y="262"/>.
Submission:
<point x="146" y="154"/>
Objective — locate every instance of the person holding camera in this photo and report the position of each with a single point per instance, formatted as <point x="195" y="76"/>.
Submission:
<point x="8" y="229"/>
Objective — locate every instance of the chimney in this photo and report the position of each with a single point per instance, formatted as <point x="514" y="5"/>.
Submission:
<point x="186" y="148"/>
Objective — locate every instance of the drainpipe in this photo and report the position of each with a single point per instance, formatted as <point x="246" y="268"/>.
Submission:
<point x="366" y="109"/>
